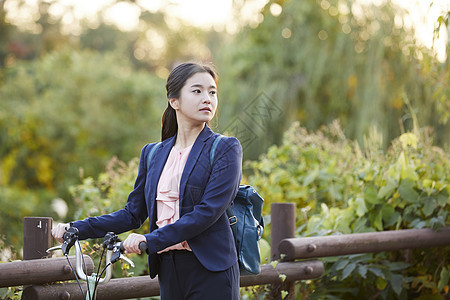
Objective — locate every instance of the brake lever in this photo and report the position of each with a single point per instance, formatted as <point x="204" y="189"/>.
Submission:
<point x="117" y="254"/>
<point x="109" y="240"/>
<point x="53" y="248"/>
<point x="69" y="237"/>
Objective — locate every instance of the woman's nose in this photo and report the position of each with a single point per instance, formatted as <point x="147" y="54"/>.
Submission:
<point x="207" y="98"/>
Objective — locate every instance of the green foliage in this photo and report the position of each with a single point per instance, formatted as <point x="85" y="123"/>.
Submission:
<point x="13" y="293"/>
<point x="70" y="110"/>
<point x="7" y="254"/>
<point x="324" y="60"/>
<point x="108" y="193"/>
<point x="308" y="168"/>
<point x="65" y="114"/>
<point x="16" y="204"/>
<point x="339" y="188"/>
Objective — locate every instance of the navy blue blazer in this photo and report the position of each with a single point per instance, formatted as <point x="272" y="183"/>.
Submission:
<point x="205" y="193"/>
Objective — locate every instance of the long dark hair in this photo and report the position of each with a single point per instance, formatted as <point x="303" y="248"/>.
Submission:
<point x="175" y="82"/>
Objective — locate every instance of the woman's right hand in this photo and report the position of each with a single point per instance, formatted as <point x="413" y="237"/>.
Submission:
<point x="59" y="230"/>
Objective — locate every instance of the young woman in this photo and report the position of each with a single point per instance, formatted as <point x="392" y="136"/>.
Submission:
<point x="190" y="243"/>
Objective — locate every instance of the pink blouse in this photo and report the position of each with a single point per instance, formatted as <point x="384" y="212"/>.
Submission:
<point x="167" y="201"/>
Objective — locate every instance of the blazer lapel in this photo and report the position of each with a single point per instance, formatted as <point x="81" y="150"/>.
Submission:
<point x="157" y="164"/>
<point x="192" y="159"/>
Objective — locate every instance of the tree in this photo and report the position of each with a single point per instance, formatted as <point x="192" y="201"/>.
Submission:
<point x="323" y="60"/>
<point x="67" y="113"/>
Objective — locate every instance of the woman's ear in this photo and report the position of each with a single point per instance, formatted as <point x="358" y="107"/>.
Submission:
<point x="175" y="103"/>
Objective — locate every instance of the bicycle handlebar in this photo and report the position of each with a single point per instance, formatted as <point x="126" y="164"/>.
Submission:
<point x="79" y="266"/>
<point x="114" y="251"/>
<point x="111" y="242"/>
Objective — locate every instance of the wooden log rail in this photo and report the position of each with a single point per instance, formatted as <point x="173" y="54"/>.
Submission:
<point x="143" y="286"/>
<point x="40" y="271"/>
<point x="335" y="245"/>
<point x="283" y="242"/>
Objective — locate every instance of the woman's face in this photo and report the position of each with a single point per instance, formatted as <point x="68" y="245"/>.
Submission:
<point x="198" y="100"/>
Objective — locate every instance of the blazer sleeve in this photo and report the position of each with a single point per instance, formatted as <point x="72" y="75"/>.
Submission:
<point x="132" y="216"/>
<point x="221" y="189"/>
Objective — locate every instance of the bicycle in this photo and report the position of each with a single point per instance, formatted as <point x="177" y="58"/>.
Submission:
<point x="114" y="252"/>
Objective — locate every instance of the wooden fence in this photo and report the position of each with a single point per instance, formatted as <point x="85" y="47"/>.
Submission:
<point x="38" y="276"/>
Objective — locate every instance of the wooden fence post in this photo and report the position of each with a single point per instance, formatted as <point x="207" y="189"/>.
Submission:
<point x="283" y="225"/>
<point x="37" y="237"/>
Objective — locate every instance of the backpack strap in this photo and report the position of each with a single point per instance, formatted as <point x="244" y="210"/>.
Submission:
<point x="213" y="149"/>
<point x="150" y="154"/>
<point x="232" y="219"/>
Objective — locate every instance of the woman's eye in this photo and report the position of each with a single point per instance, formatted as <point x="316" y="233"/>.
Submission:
<point x="196" y="91"/>
<point x="213" y="92"/>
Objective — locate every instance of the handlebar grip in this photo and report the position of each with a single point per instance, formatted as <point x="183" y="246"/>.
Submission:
<point x="121" y="247"/>
<point x="143" y="246"/>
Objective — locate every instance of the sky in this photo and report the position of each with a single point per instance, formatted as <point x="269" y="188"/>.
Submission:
<point x="423" y="16"/>
<point x="218" y="14"/>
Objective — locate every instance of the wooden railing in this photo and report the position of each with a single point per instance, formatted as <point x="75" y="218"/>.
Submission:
<point x="370" y="242"/>
<point x="38" y="275"/>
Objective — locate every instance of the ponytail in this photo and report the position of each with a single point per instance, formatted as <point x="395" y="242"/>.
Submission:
<point x="169" y="123"/>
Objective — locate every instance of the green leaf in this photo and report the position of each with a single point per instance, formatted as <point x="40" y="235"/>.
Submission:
<point x="436" y="223"/>
<point x="360" y="225"/>
<point x="418" y="224"/>
<point x="348" y="270"/>
<point x="439" y="170"/>
<point x="388" y="189"/>
<point x="429" y="206"/>
<point x="343" y="220"/>
<point x="427" y="183"/>
<point x="443" y="280"/>
<point x="396" y="283"/>
<point x="370" y="195"/>
<point x="407" y="192"/>
<point x="274" y="263"/>
<point x="361" y="207"/>
<point x="362" y="270"/>
<point x="341" y="264"/>
<point x="297" y="193"/>
<point x="375" y="217"/>
<point x="409" y="173"/>
<point x="311" y="176"/>
<point x="396" y="266"/>
<point x="387" y="211"/>
<point x="284" y="294"/>
<point x="264" y="247"/>
<point x="377" y="271"/>
<point x="390" y="220"/>
<point x="443" y="199"/>
<point x="394" y="171"/>
<point x="381" y="283"/>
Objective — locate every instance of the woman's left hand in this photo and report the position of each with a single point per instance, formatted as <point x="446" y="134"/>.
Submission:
<point x="131" y="243"/>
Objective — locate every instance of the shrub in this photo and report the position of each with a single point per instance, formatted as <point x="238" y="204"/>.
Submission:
<point x="340" y="188"/>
